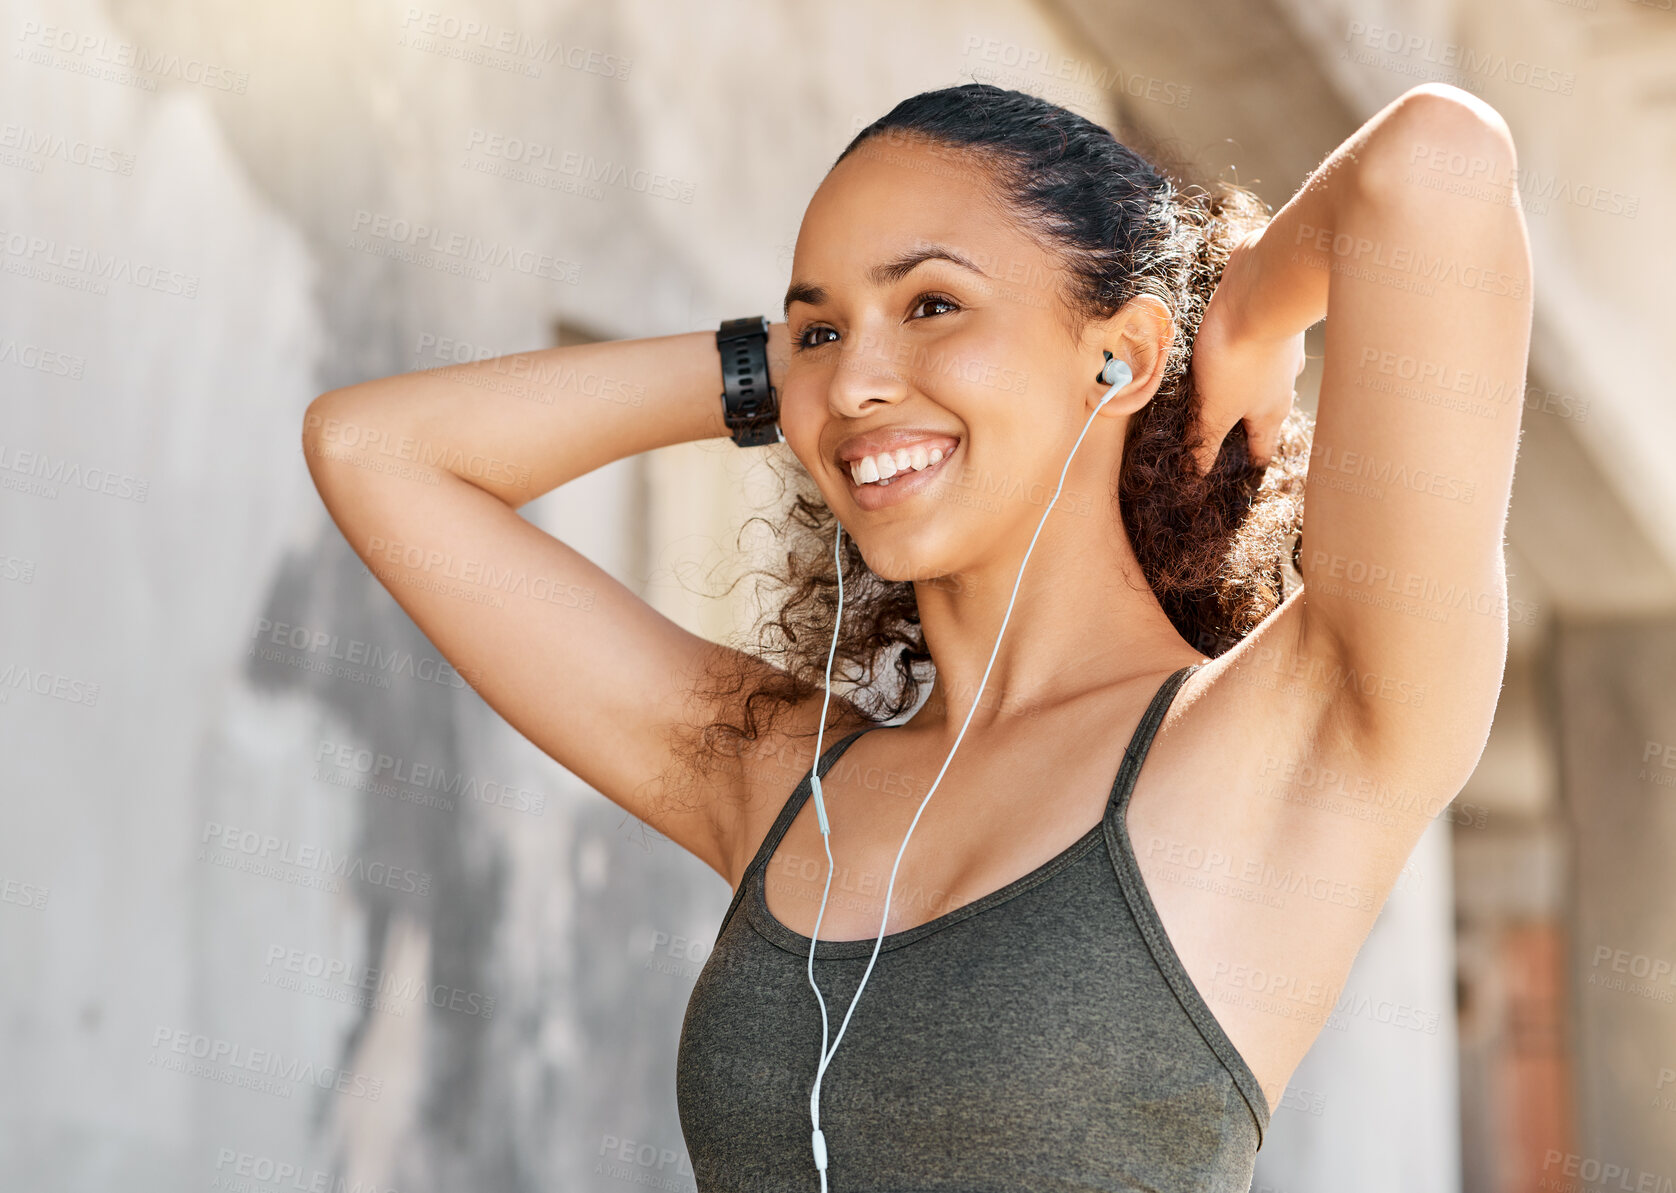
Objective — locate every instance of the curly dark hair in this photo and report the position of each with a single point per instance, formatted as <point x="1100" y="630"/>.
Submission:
<point x="1213" y="547"/>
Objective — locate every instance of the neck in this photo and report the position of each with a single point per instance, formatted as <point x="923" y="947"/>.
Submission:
<point x="1084" y="619"/>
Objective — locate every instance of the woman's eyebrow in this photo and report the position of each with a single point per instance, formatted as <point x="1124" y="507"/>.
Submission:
<point x="885" y="273"/>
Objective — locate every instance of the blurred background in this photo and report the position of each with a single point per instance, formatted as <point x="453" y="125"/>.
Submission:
<point x="284" y="905"/>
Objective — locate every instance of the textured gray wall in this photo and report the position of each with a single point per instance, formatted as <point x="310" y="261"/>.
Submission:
<point x="197" y="896"/>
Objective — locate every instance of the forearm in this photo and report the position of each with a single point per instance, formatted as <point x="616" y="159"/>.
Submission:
<point x="521" y="425"/>
<point x="1280" y="277"/>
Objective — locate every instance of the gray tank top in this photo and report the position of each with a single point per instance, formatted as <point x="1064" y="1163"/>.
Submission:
<point x="1044" y="1037"/>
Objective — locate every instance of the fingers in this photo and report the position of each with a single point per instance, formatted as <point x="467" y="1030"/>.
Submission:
<point x="1262" y="435"/>
<point x="1261" y="441"/>
<point x="1205" y="454"/>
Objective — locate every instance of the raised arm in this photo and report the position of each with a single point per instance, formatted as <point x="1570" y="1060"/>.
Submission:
<point x="1401" y="624"/>
<point x="424" y="474"/>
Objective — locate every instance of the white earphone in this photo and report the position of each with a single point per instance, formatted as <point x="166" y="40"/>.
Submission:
<point x="1116" y="374"/>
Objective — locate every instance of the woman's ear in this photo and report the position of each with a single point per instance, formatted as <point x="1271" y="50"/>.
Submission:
<point x="1147" y="331"/>
<point x="1140" y="334"/>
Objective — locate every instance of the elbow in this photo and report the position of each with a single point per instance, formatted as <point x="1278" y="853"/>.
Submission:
<point x="319" y="415"/>
<point x="314" y="417"/>
<point x="1433" y="137"/>
<point x="1455" y="115"/>
<point x="322" y="419"/>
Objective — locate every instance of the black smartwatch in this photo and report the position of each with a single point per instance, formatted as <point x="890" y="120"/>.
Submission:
<point x="750" y="405"/>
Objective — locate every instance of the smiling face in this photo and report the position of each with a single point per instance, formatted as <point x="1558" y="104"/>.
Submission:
<point x="936" y="380"/>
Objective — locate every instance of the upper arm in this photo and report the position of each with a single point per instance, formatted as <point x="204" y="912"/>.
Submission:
<point x="571" y="658"/>
<point x="1427" y="333"/>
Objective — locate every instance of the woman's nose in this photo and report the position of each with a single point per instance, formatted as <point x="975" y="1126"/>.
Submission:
<point x="868" y="374"/>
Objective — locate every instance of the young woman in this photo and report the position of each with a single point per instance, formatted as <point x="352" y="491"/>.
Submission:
<point x="1090" y="975"/>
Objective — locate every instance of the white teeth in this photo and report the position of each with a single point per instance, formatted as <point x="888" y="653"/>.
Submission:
<point x="881" y="467"/>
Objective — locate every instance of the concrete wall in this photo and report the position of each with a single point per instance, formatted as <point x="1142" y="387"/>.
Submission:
<point x="175" y="642"/>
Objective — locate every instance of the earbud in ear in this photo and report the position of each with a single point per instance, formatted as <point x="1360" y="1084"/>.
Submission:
<point x="1115" y="372"/>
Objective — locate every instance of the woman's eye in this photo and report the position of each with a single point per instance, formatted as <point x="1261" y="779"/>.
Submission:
<point x="803" y="340"/>
<point x="806" y="338"/>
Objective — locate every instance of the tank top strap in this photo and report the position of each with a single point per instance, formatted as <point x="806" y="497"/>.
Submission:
<point x="1145" y="912"/>
<point x="1141" y="740"/>
<point x="782" y="823"/>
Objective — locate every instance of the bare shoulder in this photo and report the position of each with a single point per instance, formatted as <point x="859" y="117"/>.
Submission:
<point x="771" y="766"/>
<point x="1271" y="825"/>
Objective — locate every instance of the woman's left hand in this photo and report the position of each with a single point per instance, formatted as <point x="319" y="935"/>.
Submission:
<point x="1241" y="376"/>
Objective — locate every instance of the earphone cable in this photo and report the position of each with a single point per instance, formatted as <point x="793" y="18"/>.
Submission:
<point x="818" y="1140"/>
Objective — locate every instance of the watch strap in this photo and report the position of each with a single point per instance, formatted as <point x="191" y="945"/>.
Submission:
<point x="750" y="404"/>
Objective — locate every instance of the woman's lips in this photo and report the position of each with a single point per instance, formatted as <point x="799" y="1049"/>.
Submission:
<point x="902" y="486"/>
